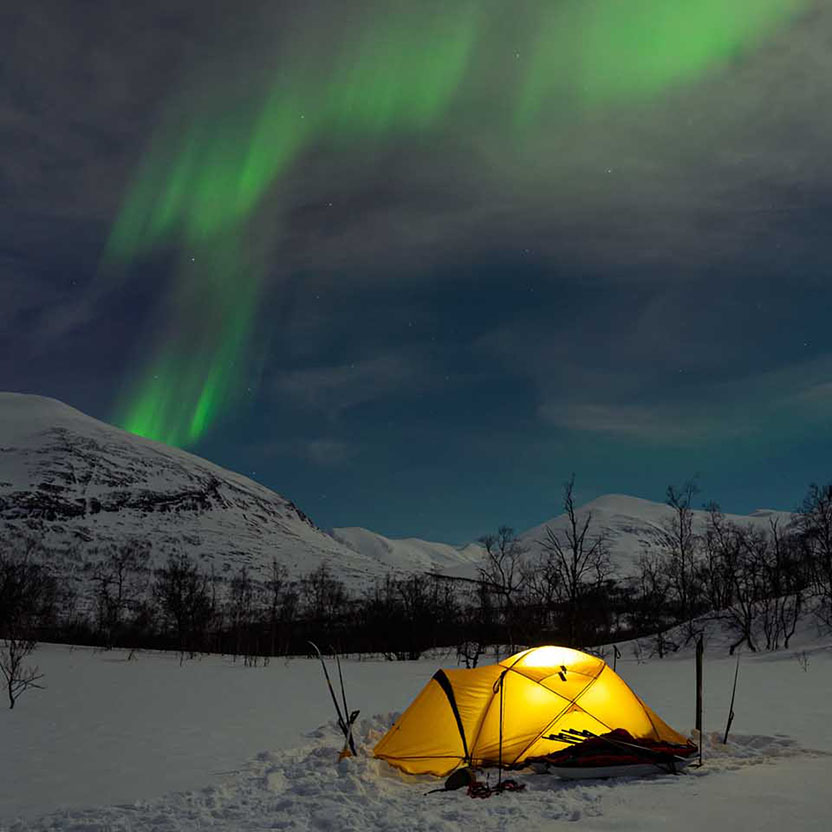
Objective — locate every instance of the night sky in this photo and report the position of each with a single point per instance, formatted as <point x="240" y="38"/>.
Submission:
<point x="412" y="264"/>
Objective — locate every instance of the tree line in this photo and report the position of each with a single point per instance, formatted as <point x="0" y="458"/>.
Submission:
<point x="757" y="581"/>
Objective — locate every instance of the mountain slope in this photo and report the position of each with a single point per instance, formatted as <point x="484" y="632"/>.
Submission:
<point x="412" y="553"/>
<point x="80" y="484"/>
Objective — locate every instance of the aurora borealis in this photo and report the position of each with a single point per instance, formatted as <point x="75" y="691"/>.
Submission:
<point x="398" y="68"/>
<point x="358" y="250"/>
<point x="200" y="184"/>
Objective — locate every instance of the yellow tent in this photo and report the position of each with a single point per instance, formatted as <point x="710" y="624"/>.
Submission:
<point x="455" y="720"/>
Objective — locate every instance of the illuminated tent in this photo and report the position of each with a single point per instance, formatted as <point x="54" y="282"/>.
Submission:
<point x="455" y="720"/>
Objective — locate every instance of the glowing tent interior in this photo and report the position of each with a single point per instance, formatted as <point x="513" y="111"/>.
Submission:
<point x="456" y="719"/>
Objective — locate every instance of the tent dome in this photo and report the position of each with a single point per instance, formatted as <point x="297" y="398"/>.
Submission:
<point x="455" y="720"/>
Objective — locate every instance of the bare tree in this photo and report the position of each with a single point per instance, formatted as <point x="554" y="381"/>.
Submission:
<point x="746" y="553"/>
<point x="183" y="595"/>
<point x="479" y="626"/>
<point x="119" y="578"/>
<point x="416" y="600"/>
<point x="650" y="613"/>
<point x="781" y="586"/>
<point x="323" y="594"/>
<point x="731" y="574"/>
<point x="278" y="589"/>
<point x="813" y="523"/>
<point x="18" y="675"/>
<point x="469" y="652"/>
<point x="216" y="616"/>
<point x="753" y="579"/>
<point x="27" y="601"/>
<point x="791" y="581"/>
<point x="541" y="594"/>
<point x="242" y="613"/>
<point x="681" y="550"/>
<point x="577" y="558"/>
<point x="502" y="574"/>
<point x="717" y="582"/>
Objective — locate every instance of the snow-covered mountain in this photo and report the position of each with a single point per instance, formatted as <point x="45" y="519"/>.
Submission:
<point x="80" y="484"/>
<point x="423" y="555"/>
<point x="634" y="526"/>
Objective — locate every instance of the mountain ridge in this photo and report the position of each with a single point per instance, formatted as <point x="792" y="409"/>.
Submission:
<point x="79" y="482"/>
<point x="73" y="481"/>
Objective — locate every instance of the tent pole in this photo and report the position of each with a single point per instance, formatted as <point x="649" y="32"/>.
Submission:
<point x="500" y="744"/>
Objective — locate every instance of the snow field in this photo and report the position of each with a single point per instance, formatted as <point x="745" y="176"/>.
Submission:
<point x="134" y="745"/>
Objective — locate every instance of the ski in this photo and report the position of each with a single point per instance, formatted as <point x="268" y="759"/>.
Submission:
<point x="345" y="720"/>
<point x="351" y="716"/>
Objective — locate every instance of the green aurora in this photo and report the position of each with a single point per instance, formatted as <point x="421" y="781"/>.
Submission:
<point x="213" y="167"/>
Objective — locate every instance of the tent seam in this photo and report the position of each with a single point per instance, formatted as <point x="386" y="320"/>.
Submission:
<point x="574" y="701"/>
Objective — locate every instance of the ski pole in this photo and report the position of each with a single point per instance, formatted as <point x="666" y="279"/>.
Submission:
<point x="731" y="708"/>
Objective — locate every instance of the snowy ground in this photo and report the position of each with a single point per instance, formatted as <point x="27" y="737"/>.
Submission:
<point x="113" y="744"/>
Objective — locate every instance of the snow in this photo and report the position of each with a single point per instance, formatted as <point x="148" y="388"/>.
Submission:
<point x="146" y="744"/>
<point x="121" y="743"/>
<point x="410" y="553"/>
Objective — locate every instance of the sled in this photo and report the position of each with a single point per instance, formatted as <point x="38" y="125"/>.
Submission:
<point x="578" y="772"/>
<point x="615" y="754"/>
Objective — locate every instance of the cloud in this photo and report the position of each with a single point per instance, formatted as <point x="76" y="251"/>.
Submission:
<point x="327" y="452"/>
<point x="659" y="424"/>
<point x="701" y="175"/>
<point x="708" y="174"/>
<point x="763" y="402"/>
<point x="322" y="451"/>
<point x="334" y="389"/>
<point x="816" y="393"/>
<point x="38" y="311"/>
<point x="20" y="297"/>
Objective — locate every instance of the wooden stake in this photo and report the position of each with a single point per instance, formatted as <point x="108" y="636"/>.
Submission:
<point x="700" y="650"/>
